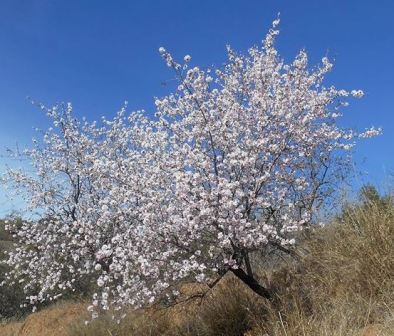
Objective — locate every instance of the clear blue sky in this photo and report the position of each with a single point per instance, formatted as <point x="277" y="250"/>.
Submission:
<point x="98" y="54"/>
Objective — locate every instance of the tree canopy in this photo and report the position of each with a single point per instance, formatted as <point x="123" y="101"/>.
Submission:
<point x="235" y="160"/>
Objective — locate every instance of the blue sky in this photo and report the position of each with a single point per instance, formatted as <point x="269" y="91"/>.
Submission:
<point x="97" y="54"/>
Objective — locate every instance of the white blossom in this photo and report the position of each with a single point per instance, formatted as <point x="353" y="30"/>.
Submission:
<point x="224" y="170"/>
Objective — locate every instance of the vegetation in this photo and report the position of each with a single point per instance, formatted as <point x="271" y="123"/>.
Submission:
<point x="234" y="163"/>
<point x="201" y="220"/>
<point x="338" y="282"/>
<point x="11" y="296"/>
<point x="342" y="284"/>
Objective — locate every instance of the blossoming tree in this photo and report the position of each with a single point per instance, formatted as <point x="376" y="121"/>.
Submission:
<point x="235" y="160"/>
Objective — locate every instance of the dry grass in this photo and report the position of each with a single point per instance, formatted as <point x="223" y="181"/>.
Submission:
<point x="51" y="321"/>
<point x="345" y="283"/>
<point x="229" y="309"/>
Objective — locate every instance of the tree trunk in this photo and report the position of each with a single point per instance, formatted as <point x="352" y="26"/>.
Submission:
<point x="252" y="283"/>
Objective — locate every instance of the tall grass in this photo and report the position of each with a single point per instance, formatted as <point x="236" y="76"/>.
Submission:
<point x="346" y="281"/>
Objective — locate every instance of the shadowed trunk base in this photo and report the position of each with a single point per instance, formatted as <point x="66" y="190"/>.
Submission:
<point x="252" y="283"/>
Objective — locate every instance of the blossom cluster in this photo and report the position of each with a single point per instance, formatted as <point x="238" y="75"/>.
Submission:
<point x="235" y="160"/>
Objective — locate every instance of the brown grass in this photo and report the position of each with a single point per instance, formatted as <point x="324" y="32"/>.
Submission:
<point x="345" y="283"/>
<point x="55" y="320"/>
